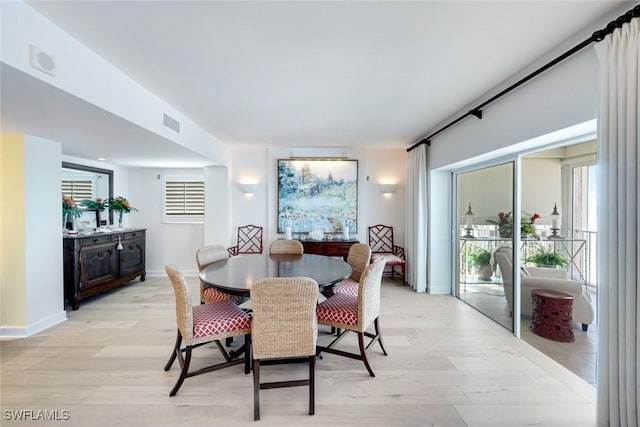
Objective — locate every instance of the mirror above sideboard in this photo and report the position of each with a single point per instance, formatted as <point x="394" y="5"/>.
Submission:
<point x="86" y="182"/>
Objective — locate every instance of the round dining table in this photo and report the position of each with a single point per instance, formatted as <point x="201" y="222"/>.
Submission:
<point x="237" y="274"/>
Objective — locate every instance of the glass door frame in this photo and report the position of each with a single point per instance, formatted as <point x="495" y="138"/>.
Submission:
<point x="515" y="241"/>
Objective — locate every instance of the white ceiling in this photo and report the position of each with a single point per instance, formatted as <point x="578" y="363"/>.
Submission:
<point x="318" y="74"/>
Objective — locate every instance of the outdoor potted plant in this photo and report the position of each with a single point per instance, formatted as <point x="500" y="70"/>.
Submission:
<point x="544" y="258"/>
<point x="505" y="224"/>
<point x="481" y="260"/>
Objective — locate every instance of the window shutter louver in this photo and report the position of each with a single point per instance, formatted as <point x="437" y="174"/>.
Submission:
<point x="184" y="198"/>
<point x="78" y="189"/>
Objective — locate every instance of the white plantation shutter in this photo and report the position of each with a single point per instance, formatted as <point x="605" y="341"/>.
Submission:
<point x="78" y="189"/>
<point x="183" y="199"/>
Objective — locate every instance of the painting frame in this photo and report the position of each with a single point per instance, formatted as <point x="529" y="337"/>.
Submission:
<point x="317" y="194"/>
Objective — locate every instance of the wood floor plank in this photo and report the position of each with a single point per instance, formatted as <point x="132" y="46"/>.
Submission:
<point x="447" y="366"/>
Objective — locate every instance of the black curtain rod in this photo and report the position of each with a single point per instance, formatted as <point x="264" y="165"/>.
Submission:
<point x="595" y="37"/>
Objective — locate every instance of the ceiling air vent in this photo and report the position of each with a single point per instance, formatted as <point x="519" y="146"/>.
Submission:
<point x="171" y="123"/>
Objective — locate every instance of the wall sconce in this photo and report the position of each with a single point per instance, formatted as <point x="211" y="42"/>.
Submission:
<point x="248" y="188"/>
<point x="556" y="219"/>
<point x="388" y="188"/>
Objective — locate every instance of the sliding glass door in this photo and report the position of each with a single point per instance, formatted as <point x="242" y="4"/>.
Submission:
<point x="484" y="206"/>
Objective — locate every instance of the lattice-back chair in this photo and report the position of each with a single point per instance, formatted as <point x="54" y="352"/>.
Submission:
<point x="284" y="330"/>
<point x="359" y="258"/>
<point x="249" y="241"/>
<point x="355" y="314"/>
<point x="201" y="324"/>
<point x="381" y="244"/>
<point x="293" y="247"/>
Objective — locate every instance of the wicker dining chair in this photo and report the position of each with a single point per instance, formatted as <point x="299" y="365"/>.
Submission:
<point x="284" y="330"/>
<point x="202" y="324"/>
<point x="205" y="256"/>
<point x="293" y="247"/>
<point x="359" y="258"/>
<point x="355" y="313"/>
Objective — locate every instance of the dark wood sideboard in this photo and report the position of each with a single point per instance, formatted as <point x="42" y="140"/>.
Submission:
<point x="94" y="264"/>
<point x="336" y="247"/>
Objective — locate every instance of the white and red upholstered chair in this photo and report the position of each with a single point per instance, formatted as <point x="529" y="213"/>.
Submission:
<point x="249" y="241"/>
<point x="359" y="258"/>
<point x="543" y="278"/>
<point x="292" y="247"/>
<point x="205" y="256"/>
<point x="284" y="330"/>
<point x="355" y="313"/>
<point x="381" y="244"/>
<point x="202" y="324"/>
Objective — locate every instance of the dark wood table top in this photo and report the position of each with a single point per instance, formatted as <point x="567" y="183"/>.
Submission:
<point x="237" y="274"/>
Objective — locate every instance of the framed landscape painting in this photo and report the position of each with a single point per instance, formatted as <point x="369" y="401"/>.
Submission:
<point x="317" y="195"/>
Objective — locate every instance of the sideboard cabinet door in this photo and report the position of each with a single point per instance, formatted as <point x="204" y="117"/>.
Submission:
<point x="132" y="256"/>
<point x="98" y="264"/>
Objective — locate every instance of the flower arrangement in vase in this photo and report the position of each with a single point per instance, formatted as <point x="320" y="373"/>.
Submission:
<point x="69" y="211"/>
<point x="505" y="224"/>
<point x="98" y="205"/>
<point x="122" y="206"/>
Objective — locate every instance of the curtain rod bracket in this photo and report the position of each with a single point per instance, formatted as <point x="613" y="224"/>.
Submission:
<point x="476" y="113"/>
<point x="597" y="36"/>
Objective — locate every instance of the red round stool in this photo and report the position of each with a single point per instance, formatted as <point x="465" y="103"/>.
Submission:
<point x="552" y="315"/>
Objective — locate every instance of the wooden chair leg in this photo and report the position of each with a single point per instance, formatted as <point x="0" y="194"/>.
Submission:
<point x="176" y="348"/>
<point x="256" y="390"/>
<point x="363" y="353"/>
<point x="312" y="384"/>
<point x="376" y="325"/>
<point x="183" y="373"/>
<point x="247" y="353"/>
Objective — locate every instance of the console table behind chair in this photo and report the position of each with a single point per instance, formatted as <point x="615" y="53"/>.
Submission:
<point x="329" y="247"/>
<point x="95" y="263"/>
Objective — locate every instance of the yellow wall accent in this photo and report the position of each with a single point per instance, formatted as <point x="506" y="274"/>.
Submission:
<point x="13" y="310"/>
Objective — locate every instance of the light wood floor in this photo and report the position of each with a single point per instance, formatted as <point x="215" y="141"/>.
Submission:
<point x="447" y="366"/>
<point x="579" y="356"/>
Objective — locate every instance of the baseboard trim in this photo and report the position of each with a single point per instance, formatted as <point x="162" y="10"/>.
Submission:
<point x="15" y="332"/>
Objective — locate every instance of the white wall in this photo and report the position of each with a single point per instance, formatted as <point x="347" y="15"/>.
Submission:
<point x="43" y="275"/>
<point x="541" y="187"/>
<point x="83" y="73"/>
<point x="250" y="165"/>
<point x="259" y="165"/>
<point x="217" y="208"/>
<point x="43" y="235"/>
<point x="166" y="243"/>
<point x="562" y="97"/>
<point x="386" y="167"/>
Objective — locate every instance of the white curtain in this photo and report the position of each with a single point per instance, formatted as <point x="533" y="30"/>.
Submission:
<point x="417" y="219"/>
<point x="619" y="228"/>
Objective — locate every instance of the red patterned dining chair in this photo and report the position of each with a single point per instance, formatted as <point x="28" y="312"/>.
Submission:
<point x="381" y="244"/>
<point x="284" y="330"/>
<point x="359" y="258"/>
<point x="355" y="314"/>
<point x="205" y="256"/>
<point x="249" y="241"/>
<point x="201" y="324"/>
